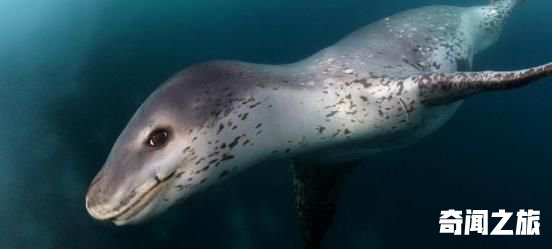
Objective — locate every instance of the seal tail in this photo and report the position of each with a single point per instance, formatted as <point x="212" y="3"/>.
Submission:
<point x="445" y="88"/>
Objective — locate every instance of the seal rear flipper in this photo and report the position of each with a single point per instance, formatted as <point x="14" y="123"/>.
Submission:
<point x="445" y="88"/>
<point x="318" y="189"/>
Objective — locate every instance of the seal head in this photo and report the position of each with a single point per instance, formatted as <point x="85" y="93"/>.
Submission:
<point x="133" y="182"/>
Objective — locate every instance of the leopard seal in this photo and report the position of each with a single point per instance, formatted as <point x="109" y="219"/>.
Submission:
<point x="383" y="87"/>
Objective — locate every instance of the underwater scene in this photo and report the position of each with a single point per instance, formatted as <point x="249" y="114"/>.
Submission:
<point x="81" y="168"/>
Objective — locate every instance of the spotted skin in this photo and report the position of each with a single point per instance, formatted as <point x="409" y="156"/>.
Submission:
<point x="383" y="87"/>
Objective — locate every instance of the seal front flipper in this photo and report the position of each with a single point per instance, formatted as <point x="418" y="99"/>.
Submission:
<point x="445" y="88"/>
<point x="318" y="188"/>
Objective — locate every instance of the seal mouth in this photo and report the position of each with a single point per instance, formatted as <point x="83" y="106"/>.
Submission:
<point x="142" y="202"/>
<point x="134" y="204"/>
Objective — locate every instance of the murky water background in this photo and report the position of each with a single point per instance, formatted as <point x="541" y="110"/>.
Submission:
<point x="73" y="72"/>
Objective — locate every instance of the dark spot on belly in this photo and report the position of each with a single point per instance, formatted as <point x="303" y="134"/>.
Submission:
<point x="221" y="127"/>
<point x="186" y="149"/>
<point x="320" y="129"/>
<point x="331" y="114"/>
<point x="200" y="160"/>
<point x="226" y="157"/>
<point x="234" y="143"/>
<point x="352" y="113"/>
<point x="255" y="105"/>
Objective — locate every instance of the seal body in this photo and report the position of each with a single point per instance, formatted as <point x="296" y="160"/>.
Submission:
<point x="383" y="87"/>
<point x="348" y="99"/>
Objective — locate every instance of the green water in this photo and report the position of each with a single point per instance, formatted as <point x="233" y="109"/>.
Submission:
<point x="73" y="72"/>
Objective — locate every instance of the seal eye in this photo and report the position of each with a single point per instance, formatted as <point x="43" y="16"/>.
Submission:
<point x="158" y="138"/>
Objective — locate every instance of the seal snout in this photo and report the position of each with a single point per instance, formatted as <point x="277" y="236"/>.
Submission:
<point x="101" y="198"/>
<point x="123" y="204"/>
<point x="95" y="200"/>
